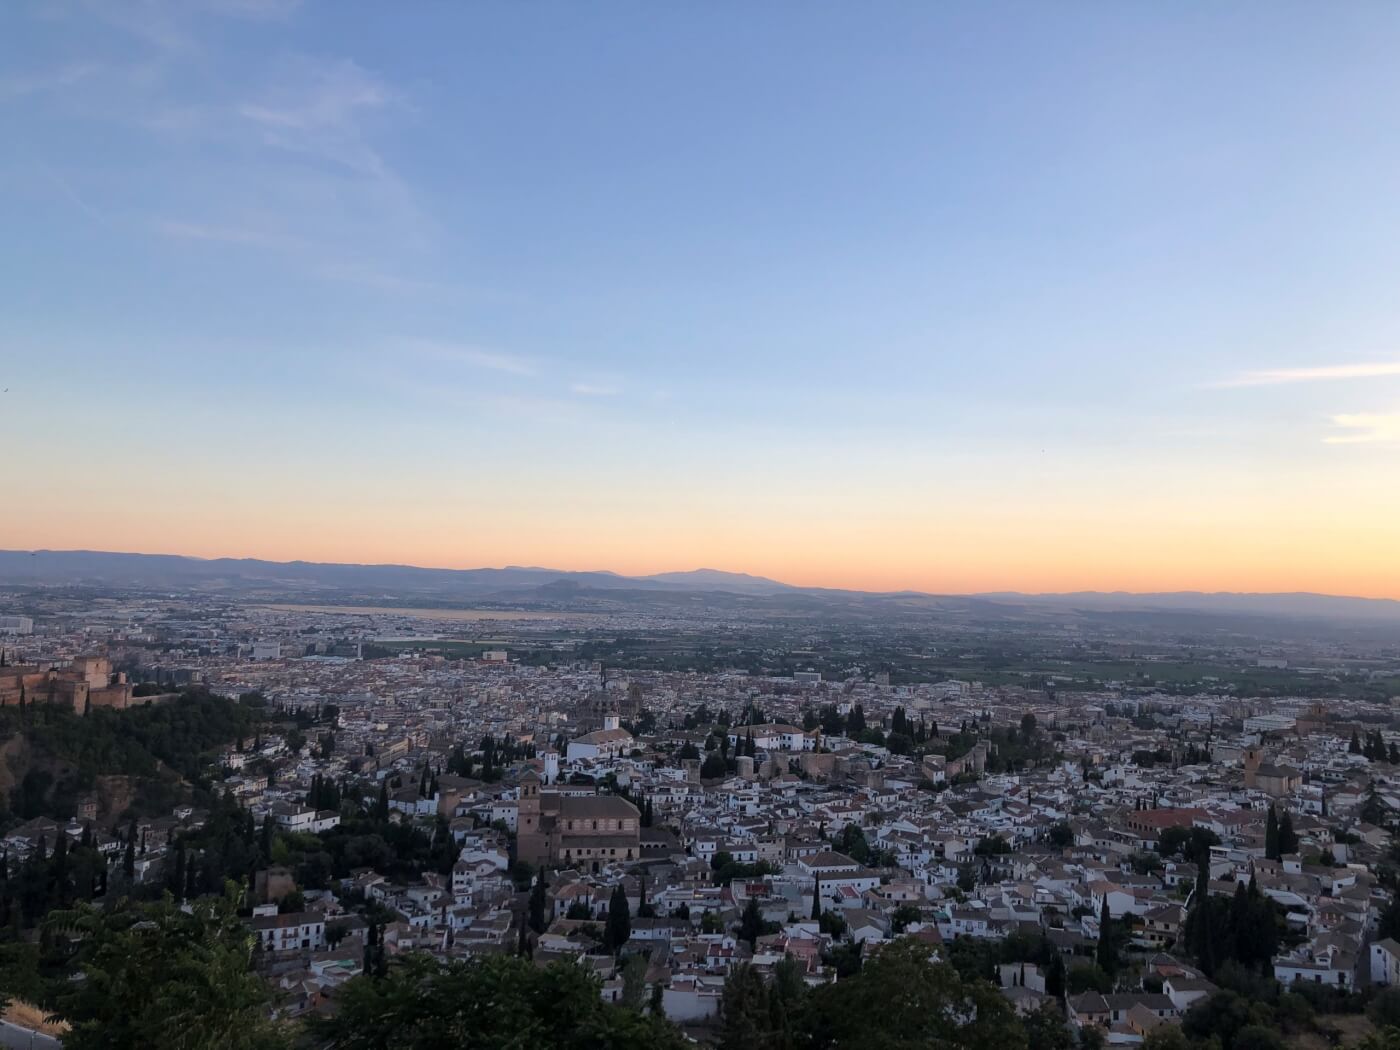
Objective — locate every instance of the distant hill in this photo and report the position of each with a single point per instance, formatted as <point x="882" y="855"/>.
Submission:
<point x="178" y="572"/>
<point x="717" y="580"/>
<point x="254" y="579"/>
<point x="240" y="575"/>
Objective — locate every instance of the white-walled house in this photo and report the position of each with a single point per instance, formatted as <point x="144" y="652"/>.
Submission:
<point x="603" y="744"/>
<point x="775" y="736"/>
<point x="305" y="930"/>
<point x="1385" y="961"/>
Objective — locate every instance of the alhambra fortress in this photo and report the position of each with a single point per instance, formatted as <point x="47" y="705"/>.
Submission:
<point x="85" y="683"/>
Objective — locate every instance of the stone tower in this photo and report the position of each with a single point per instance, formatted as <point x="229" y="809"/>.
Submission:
<point x="531" y="844"/>
<point x="1251" y="757"/>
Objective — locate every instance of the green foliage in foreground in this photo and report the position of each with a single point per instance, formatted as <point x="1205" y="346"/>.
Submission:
<point x="153" y="975"/>
<point x="494" y="1003"/>
<point x="899" y="1000"/>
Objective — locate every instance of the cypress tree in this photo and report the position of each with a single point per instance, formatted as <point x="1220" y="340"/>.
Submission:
<point x="619" y="924"/>
<point x="1239" y="923"/>
<point x="371" y="950"/>
<point x="1208" y="955"/>
<point x="1287" y="837"/>
<point x="537" y="903"/>
<point x="1271" y="835"/>
<point x="177" y="878"/>
<point x="59" y="869"/>
<point x="1106" y="954"/>
<point x="751" y="924"/>
<point x="817" y="898"/>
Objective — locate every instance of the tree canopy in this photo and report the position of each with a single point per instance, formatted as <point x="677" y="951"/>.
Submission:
<point x="899" y="1000"/>
<point x="156" y="975"/>
<point x="494" y="1003"/>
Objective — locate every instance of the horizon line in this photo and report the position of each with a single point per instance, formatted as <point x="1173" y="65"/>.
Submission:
<point x="37" y="551"/>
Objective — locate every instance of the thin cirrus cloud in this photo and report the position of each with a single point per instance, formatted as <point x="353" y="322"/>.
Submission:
<point x="45" y="80"/>
<point x="169" y="25"/>
<point x="318" y="107"/>
<point x="476" y="357"/>
<point x="191" y="231"/>
<point x="361" y="224"/>
<point x="1321" y="374"/>
<point x="1366" y="428"/>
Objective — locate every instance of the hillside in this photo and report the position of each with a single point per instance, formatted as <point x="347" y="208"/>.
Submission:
<point x="145" y="757"/>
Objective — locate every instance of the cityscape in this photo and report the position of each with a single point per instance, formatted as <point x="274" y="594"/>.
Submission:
<point x="716" y="816"/>
<point x="741" y="526"/>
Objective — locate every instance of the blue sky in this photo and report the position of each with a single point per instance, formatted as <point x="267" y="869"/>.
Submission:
<point x="936" y="295"/>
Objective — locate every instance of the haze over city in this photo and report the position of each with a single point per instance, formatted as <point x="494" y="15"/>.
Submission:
<point x="782" y="289"/>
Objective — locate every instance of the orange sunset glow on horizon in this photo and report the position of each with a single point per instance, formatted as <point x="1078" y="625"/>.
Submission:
<point x="915" y="326"/>
<point x="944" y="560"/>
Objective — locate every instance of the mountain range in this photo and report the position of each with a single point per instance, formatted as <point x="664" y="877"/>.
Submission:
<point x="255" y="578"/>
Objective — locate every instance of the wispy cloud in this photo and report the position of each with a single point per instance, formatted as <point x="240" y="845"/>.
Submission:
<point x="1366" y="428"/>
<point x="253" y="9"/>
<point x="368" y="275"/>
<point x="1321" y="374"/>
<point x="316" y="107"/>
<point x="56" y="181"/>
<point x="23" y="84"/>
<point x="542" y="409"/>
<point x="476" y="357"/>
<point x="338" y="210"/>
<point x="170" y="26"/>
<point x="223" y="234"/>
<point x="594" y="390"/>
<point x="280" y="152"/>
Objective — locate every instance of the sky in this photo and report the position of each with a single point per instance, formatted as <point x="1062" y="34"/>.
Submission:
<point x="956" y="297"/>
